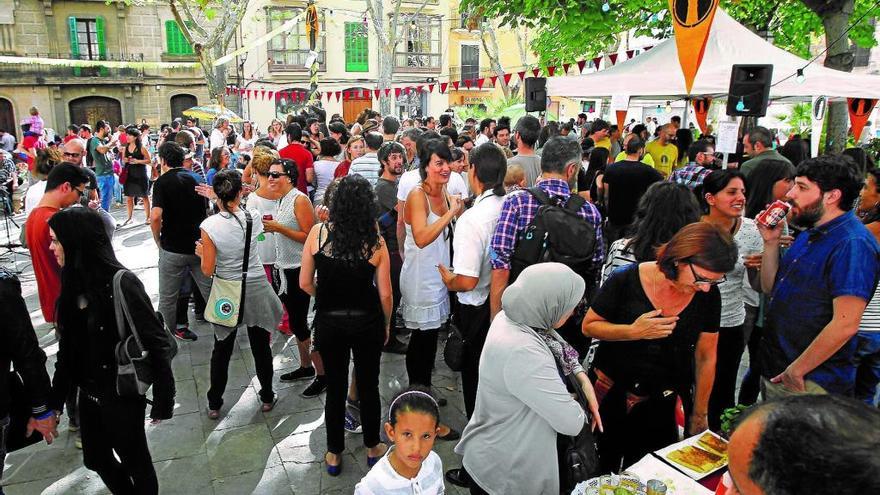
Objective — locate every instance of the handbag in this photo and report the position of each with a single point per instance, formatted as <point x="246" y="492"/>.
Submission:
<point x="225" y="305"/>
<point x="123" y="174"/>
<point x="578" y="458"/>
<point x="453" y="352"/>
<point x="134" y="370"/>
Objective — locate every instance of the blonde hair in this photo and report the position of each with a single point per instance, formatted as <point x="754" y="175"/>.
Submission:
<point x="352" y="140"/>
<point x="34" y="111"/>
<point x="263" y="158"/>
<point x="515" y="175"/>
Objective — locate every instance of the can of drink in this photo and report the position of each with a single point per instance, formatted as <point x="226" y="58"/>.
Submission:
<point x="267" y="217"/>
<point x="773" y="214"/>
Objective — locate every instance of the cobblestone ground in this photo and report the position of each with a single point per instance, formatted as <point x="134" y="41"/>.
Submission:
<point x="247" y="451"/>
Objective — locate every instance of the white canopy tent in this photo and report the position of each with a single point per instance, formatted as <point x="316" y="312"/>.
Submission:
<point x="656" y="74"/>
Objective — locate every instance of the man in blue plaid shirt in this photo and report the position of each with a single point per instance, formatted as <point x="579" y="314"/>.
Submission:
<point x="560" y="163"/>
<point x="701" y="162"/>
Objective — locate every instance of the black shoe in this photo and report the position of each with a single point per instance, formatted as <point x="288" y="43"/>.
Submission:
<point x="394" y="346"/>
<point x="185" y="334"/>
<point x="458" y="477"/>
<point x="452" y="435"/>
<point x="299" y="374"/>
<point x="316" y="388"/>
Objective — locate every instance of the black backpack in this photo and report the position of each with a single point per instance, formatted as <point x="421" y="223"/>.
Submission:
<point x="558" y="234"/>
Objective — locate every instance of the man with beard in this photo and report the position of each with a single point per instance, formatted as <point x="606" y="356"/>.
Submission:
<point x="391" y="156"/>
<point x="818" y="291"/>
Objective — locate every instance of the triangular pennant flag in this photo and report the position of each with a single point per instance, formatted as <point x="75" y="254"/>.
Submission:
<point x="859" y="111"/>
<point x="647" y="48"/>
<point x="493" y="78"/>
<point x="536" y="71"/>
<point x="550" y="70"/>
<point x="377" y="92"/>
<point x="366" y="94"/>
<point x="467" y="83"/>
<point x="387" y="92"/>
<point x="630" y="53"/>
<point x="480" y="82"/>
<point x="263" y="94"/>
<point x="227" y="90"/>
<point x="418" y="89"/>
<point x="443" y="87"/>
<point x="406" y="90"/>
<point x="565" y="68"/>
<point x="338" y="94"/>
<point x="522" y="75"/>
<point x="507" y="78"/>
<point x="430" y="88"/>
<point x="455" y="85"/>
<point x="581" y="65"/>
<point x="691" y="21"/>
<point x="329" y="95"/>
<point x="397" y="92"/>
<point x="613" y="58"/>
<point x="597" y="61"/>
<point x="248" y="94"/>
<point x="271" y="94"/>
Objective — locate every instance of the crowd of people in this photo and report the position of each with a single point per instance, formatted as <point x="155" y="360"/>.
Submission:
<point x="629" y="263"/>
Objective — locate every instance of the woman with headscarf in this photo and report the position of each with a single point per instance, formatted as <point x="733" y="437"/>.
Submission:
<point x="113" y="440"/>
<point x="509" y="444"/>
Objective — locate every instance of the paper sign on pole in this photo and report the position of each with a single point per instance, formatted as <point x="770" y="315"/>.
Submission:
<point x="820" y="104"/>
<point x="620" y="105"/>
<point x="727" y="137"/>
<point x="691" y="20"/>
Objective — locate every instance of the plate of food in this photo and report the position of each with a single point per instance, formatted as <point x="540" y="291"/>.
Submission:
<point x="697" y="456"/>
<point x="611" y="484"/>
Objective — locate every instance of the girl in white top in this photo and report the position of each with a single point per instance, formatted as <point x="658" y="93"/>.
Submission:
<point x="325" y="166"/>
<point x="724" y="193"/>
<point x="244" y="143"/>
<point x="277" y="135"/>
<point x="410" y="467"/>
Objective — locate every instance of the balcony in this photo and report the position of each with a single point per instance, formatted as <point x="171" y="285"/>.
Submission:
<point x="293" y="60"/>
<point x="65" y="74"/>
<point x="417" y="62"/>
<point x="466" y="72"/>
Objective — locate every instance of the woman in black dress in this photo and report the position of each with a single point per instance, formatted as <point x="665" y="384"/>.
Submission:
<point x="135" y="157"/>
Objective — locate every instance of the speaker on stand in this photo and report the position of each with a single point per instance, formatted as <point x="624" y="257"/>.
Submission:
<point x="536" y="94"/>
<point x="749" y="92"/>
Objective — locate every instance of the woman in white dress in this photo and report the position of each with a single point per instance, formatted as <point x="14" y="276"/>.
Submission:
<point x="429" y="218"/>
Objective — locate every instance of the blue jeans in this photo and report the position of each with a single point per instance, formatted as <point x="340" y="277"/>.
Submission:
<point x="867" y="367"/>
<point x="105" y="185"/>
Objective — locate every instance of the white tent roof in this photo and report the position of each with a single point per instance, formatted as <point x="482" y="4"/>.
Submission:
<point x="656" y="74"/>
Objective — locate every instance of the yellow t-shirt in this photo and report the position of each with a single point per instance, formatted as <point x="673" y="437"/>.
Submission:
<point x="604" y="143"/>
<point x="647" y="160"/>
<point x="664" y="156"/>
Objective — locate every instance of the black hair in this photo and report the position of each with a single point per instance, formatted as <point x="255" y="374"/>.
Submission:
<point x="373" y="140"/>
<point x="831" y="172"/>
<point x="451" y="133"/>
<point x="289" y="167"/>
<point x="863" y="159"/>
<point x="795" y="150"/>
<point x="599" y="125"/>
<point x="874" y="213"/>
<point x="66" y="172"/>
<point x="761" y="135"/>
<point x="424" y="137"/>
<point x="485" y="124"/>
<point x="811" y="443"/>
<point x="172" y="154"/>
<point x="548" y="132"/>
<point x="445" y="120"/>
<point x="264" y="141"/>
<point x="387" y="149"/>
<point x="330" y="147"/>
<point x="698" y="146"/>
<point x="558" y="153"/>
<point x="353" y="212"/>
<point x="638" y="129"/>
<point x="294" y="132"/>
<point x="683" y="140"/>
<point x="529" y="128"/>
<point x="663" y="210"/>
<point x="89" y="261"/>
<point x="760" y="182"/>
<point x="339" y="128"/>
<point x="414" y="399"/>
<point x="634" y="145"/>
<point x="675" y="118"/>
<point x="490" y="167"/>
<point x="430" y="148"/>
<point x="596" y="165"/>
<point x="73" y="127"/>
<point x="227" y="186"/>
<point x="715" y="182"/>
<point x="390" y="125"/>
<point x="101" y="124"/>
<point x="500" y="128"/>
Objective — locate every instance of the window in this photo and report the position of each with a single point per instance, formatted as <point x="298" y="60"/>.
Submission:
<point x="420" y="42"/>
<point x="87" y="38"/>
<point x="290" y="50"/>
<point x="356" y="47"/>
<point x="470" y="62"/>
<point x="175" y="41"/>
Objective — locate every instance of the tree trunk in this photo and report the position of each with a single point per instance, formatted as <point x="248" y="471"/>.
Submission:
<point x="386" y="72"/>
<point x="215" y="77"/>
<point x="491" y="49"/>
<point x="835" y="19"/>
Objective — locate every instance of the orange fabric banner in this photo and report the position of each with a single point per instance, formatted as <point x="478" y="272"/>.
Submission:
<point x="859" y="111"/>
<point x="621" y="119"/>
<point x="692" y="20"/>
<point x="701" y="109"/>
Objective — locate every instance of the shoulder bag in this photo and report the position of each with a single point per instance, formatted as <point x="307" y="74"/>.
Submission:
<point x="578" y="458"/>
<point x="225" y="306"/>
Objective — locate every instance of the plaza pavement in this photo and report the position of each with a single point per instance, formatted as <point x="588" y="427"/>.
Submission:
<point x="246" y="451"/>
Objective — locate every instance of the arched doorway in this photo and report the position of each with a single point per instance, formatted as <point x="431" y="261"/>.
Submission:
<point x="179" y="103"/>
<point x="91" y="109"/>
<point x="7" y="117"/>
<point x="290" y="101"/>
<point x="355" y="103"/>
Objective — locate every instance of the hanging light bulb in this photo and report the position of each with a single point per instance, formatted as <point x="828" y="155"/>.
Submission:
<point x="741" y="105"/>
<point x="668" y="106"/>
<point x="606" y="7"/>
<point x="800" y="76"/>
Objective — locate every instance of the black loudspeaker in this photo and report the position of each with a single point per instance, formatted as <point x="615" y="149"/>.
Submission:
<point x="536" y="94"/>
<point x="749" y="91"/>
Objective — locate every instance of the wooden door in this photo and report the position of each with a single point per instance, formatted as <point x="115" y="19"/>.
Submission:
<point x="91" y="109"/>
<point x="352" y="107"/>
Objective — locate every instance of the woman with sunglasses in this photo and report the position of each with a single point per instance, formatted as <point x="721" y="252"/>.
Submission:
<point x="658" y="326"/>
<point x="724" y="202"/>
<point x="290" y="226"/>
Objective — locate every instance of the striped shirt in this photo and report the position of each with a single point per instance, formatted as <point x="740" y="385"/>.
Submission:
<point x="871" y="316"/>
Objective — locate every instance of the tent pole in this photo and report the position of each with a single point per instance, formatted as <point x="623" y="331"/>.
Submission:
<point x="684" y="118"/>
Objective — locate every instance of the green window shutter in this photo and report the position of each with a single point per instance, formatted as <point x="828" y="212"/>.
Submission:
<point x="356" y="49"/>
<point x="74" y="43"/>
<point x="175" y="40"/>
<point x="102" y="38"/>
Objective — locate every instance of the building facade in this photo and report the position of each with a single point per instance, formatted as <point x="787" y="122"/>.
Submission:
<point x="93" y="30"/>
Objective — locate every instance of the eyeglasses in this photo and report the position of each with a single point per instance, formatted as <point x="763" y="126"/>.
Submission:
<point x="698" y="280"/>
<point x="72" y="155"/>
<point x="276" y="175"/>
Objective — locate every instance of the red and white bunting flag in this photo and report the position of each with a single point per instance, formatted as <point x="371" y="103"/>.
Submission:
<point x="430" y="88"/>
<point x="507" y="78"/>
<point x="480" y="82"/>
<point x="377" y="93"/>
<point x="630" y="53"/>
<point x="597" y="61"/>
<point x="248" y="94"/>
<point x="467" y="83"/>
<point x="522" y="75"/>
<point x="443" y="87"/>
<point x="227" y="90"/>
<point x="397" y="92"/>
<point x="366" y="94"/>
<point x="455" y="85"/>
<point x="329" y="95"/>
<point x="536" y="71"/>
<point x="613" y="58"/>
<point x="581" y="65"/>
<point x="406" y="90"/>
<point x="271" y="94"/>
<point x="338" y="94"/>
<point x="565" y="68"/>
<point x="550" y="70"/>
<point x="493" y="79"/>
<point x="418" y="89"/>
<point x="263" y="94"/>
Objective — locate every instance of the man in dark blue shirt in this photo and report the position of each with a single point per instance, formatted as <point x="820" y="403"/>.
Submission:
<point x="820" y="288"/>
